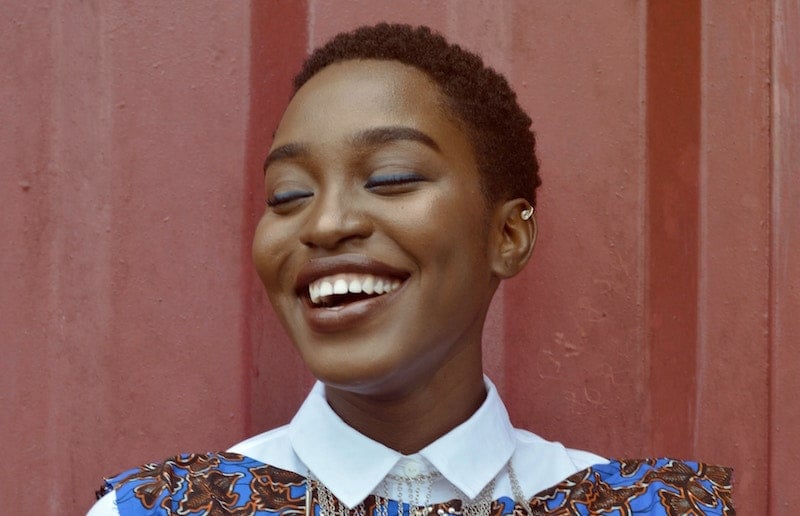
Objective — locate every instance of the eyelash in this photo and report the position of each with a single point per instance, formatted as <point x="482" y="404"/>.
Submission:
<point x="385" y="180"/>
<point x="286" y="197"/>
<point x="392" y="180"/>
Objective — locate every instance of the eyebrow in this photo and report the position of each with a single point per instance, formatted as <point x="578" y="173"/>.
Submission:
<point x="367" y="138"/>
<point x="389" y="134"/>
<point x="288" y="151"/>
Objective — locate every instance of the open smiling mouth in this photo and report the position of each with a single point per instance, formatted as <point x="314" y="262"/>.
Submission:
<point x="339" y="290"/>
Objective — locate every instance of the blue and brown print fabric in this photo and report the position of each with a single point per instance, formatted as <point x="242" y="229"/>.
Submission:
<point x="230" y="484"/>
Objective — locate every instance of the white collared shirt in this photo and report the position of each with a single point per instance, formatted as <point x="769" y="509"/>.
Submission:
<point x="354" y="466"/>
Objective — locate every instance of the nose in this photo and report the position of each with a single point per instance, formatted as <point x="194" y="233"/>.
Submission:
<point x="335" y="217"/>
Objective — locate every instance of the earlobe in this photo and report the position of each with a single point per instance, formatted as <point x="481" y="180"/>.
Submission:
<point x="515" y="236"/>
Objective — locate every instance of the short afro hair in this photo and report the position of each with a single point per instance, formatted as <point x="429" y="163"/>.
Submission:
<point x="500" y="131"/>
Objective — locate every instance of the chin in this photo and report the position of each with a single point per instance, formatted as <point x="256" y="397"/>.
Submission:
<point x="364" y="378"/>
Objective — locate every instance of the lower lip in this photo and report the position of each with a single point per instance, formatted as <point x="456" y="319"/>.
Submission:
<point x="345" y="317"/>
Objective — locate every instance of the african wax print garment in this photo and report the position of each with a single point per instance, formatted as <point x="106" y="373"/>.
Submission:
<point x="463" y="462"/>
<point x="227" y="483"/>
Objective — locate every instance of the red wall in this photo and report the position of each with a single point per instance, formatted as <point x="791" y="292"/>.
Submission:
<point x="659" y="315"/>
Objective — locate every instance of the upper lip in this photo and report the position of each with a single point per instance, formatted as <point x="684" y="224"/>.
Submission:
<point x="317" y="268"/>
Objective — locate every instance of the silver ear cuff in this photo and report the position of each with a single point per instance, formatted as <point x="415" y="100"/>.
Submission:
<point x="527" y="213"/>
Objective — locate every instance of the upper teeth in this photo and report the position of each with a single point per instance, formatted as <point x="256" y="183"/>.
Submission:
<point x="322" y="289"/>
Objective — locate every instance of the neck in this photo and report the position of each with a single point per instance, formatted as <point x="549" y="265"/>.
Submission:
<point x="410" y="421"/>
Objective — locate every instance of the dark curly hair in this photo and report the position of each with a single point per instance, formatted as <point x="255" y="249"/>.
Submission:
<point x="500" y="131"/>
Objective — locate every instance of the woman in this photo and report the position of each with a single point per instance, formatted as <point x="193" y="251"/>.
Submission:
<point x="401" y="190"/>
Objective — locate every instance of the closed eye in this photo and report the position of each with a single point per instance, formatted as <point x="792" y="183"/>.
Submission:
<point x="281" y="198"/>
<point x="377" y="182"/>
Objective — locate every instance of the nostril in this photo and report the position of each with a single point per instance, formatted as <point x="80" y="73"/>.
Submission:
<point x="330" y="228"/>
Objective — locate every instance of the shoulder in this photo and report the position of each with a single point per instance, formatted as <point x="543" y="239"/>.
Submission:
<point x="276" y="440"/>
<point x="579" y="459"/>
<point x="211" y="482"/>
<point x="646" y="486"/>
<point x="140" y="485"/>
<point x="554" y="449"/>
<point x="541" y="463"/>
<point x="273" y="447"/>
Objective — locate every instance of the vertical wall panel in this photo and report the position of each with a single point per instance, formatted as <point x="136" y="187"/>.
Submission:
<point x="673" y="147"/>
<point x="573" y="318"/>
<point x="121" y="161"/>
<point x="733" y="334"/>
<point x="784" y="309"/>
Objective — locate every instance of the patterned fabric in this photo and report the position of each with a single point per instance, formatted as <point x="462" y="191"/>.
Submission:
<point x="227" y="483"/>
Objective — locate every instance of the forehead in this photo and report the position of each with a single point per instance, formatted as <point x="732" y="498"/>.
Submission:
<point x="348" y="97"/>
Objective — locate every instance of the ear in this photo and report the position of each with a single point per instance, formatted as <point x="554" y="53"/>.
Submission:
<point x="513" y="238"/>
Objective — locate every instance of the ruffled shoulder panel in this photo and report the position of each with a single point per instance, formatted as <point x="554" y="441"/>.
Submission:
<point x="659" y="487"/>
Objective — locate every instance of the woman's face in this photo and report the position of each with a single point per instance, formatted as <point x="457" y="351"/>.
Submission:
<point x="375" y="247"/>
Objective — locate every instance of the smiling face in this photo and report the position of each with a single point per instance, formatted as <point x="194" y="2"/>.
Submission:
<point x="375" y="246"/>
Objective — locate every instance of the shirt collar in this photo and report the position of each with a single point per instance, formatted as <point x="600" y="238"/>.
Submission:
<point x="351" y="464"/>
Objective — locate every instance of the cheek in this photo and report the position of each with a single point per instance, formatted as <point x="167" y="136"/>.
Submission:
<point x="267" y="245"/>
<point x="458" y="223"/>
<point x="452" y="242"/>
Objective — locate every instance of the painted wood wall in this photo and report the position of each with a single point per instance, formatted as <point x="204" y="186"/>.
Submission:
<point x="660" y="314"/>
